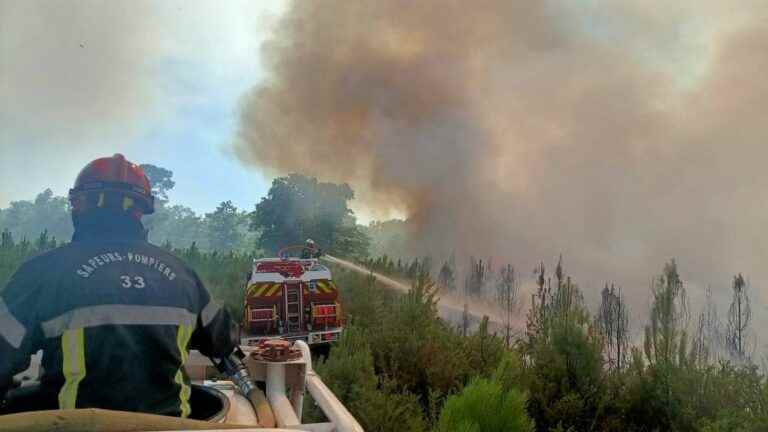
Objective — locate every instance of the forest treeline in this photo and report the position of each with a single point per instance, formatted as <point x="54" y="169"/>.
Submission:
<point x="296" y="208"/>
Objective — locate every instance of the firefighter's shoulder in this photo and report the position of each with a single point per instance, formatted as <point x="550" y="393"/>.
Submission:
<point x="39" y="262"/>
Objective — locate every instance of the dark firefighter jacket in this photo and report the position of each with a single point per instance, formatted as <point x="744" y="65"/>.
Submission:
<point x="115" y="319"/>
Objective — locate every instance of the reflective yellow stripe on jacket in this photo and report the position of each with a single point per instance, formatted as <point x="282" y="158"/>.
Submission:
<point x="73" y="366"/>
<point x="182" y="340"/>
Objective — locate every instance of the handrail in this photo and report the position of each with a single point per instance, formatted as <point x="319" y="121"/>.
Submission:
<point x="334" y="410"/>
<point x="286" y="416"/>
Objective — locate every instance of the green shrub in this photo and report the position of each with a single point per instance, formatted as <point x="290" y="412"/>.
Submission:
<point x="348" y="370"/>
<point x="389" y="410"/>
<point x="485" y="406"/>
<point x="417" y="349"/>
<point x="377" y="403"/>
<point x="565" y="378"/>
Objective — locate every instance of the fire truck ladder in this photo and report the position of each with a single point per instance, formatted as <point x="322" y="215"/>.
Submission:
<point x="293" y="307"/>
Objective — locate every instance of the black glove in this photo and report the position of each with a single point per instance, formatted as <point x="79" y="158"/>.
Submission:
<point x="234" y="368"/>
<point x="4" y="388"/>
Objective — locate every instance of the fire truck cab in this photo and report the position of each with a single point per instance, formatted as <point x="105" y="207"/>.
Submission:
<point x="291" y="298"/>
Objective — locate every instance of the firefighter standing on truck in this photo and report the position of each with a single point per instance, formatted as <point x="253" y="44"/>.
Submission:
<point x="114" y="315"/>
<point x="310" y="250"/>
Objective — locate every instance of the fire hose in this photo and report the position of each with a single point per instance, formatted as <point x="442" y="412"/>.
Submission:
<point x="237" y="371"/>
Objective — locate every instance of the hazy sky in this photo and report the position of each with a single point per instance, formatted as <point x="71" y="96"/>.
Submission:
<point x="157" y="81"/>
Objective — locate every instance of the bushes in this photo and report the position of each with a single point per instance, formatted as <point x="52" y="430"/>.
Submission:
<point x="484" y="406"/>
<point x="419" y="359"/>
<point x="417" y="349"/>
<point x="711" y="398"/>
<point x="495" y="404"/>
<point x="564" y="376"/>
<point x="564" y="361"/>
<point x="395" y="374"/>
<point x="389" y="409"/>
<point x="663" y="385"/>
<point x="376" y="402"/>
<point x="349" y="369"/>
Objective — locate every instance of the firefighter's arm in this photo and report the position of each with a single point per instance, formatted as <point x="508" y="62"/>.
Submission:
<point x="216" y="333"/>
<point x="217" y="342"/>
<point x="12" y="361"/>
<point x="19" y="332"/>
<point x="216" y="337"/>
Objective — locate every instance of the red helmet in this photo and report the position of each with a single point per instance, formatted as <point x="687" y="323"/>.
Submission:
<point x="112" y="182"/>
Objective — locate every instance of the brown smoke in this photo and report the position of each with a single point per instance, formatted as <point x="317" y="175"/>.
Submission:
<point x="620" y="134"/>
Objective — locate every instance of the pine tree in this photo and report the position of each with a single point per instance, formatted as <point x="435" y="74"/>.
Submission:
<point x="536" y="325"/>
<point x="6" y="241"/>
<point x="739" y="317"/>
<point x="709" y="334"/>
<point x="446" y="278"/>
<point x="665" y="342"/>
<point x="613" y="323"/>
<point x="507" y="290"/>
<point x="665" y="334"/>
<point x="465" y="319"/>
<point x="475" y="281"/>
<point x="42" y="242"/>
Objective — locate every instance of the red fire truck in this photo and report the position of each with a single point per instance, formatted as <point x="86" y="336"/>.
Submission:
<point x="291" y="298"/>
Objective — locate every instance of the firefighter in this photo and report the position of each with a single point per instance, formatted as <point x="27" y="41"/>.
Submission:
<point x="114" y="315"/>
<point x="310" y="250"/>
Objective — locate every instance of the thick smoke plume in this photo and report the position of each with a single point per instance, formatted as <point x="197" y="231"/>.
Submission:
<point x="620" y="134"/>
